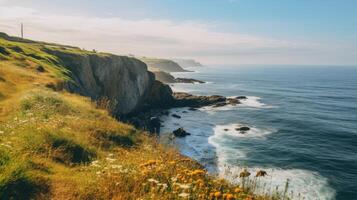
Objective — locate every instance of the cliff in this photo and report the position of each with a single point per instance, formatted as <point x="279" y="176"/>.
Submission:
<point x="125" y="83"/>
<point x="156" y="64"/>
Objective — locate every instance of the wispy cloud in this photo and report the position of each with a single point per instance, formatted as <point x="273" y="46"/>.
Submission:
<point x="149" y="37"/>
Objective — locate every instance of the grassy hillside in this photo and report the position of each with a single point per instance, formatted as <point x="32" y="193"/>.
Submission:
<point x="57" y="145"/>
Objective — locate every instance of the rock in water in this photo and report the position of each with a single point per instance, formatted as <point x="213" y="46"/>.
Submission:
<point x="241" y="97"/>
<point x="176" y="116"/>
<point x="155" y="125"/>
<point x="180" y="133"/>
<point x="243" y="129"/>
<point x="233" y="101"/>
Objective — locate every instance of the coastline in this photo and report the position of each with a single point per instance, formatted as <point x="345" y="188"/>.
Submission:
<point x="201" y="146"/>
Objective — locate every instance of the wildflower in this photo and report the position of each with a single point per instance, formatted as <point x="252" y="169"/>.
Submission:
<point x="184" y="195"/>
<point x="261" y="173"/>
<point x="229" y="197"/>
<point x="149" y="163"/>
<point x="117" y="166"/>
<point x="153" y="181"/>
<point x="163" y="185"/>
<point x="111" y="159"/>
<point x="238" y="190"/>
<point x="184" y="186"/>
<point x="198" y="173"/>
<point x="217" y="194"/>
<point x="249" y="198"/>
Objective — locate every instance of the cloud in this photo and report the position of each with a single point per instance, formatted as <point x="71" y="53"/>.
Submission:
<point x="149" y="37"/>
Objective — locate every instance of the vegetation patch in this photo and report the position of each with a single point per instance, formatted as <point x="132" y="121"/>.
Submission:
<point x="17" y="182"/>
<point x="68" y="151"/>
<point x="111" y="138"/>
<point x="46" y="103"/>
<point x="4" y="51"/>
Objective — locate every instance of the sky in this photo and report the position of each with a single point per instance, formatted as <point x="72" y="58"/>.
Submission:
<point x="231" y="32"/>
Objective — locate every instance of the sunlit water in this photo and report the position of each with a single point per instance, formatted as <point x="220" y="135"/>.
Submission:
<point x="303" y="127"/>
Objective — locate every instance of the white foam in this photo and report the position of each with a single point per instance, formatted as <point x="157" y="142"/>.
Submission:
<point x="230" y="129"/>
<point x="253" y="102"/>
<point x="250" y="102"/>
<point x="302" y="184"/>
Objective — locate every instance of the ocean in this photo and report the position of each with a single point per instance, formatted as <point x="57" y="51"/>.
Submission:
<point x="303" y="122"/>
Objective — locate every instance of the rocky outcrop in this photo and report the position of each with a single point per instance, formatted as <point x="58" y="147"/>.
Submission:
<point x="188" y="80"/>
<point x="166" y="77"/>
<point x="124" y="82"/>
<point x="180" y="132"/>
<point x="183" y="99"/>
<point x="156" y="64"/>
<point x="187" y="63"/>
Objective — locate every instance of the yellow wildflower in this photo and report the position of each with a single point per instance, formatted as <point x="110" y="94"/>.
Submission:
<point x="217" y="194"/>
<point x="229" y="197"/>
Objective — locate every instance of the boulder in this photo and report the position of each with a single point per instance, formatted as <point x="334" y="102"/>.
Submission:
<point x="192" y="109"/>
<point x="155" y="125"/>
<point x="176" y="116"/>
<point x="243" y="129"/>
<point x="233" y="101"/>
<point x="180" y="133"/>
<point x="219" y="104"/>
<point x="241" y="97"/>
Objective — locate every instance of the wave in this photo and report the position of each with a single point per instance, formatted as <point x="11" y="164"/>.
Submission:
<point x="303" y="183"/>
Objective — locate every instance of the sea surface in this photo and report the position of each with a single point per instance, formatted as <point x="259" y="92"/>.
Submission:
<point x="303" y="122"/>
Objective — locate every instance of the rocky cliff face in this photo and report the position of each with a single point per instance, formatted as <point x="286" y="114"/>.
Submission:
<point x="124" y="81"/>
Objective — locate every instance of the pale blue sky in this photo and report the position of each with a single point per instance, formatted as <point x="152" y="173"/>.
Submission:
<point x="213" y="31"/>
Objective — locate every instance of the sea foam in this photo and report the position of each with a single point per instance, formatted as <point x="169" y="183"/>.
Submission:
<point x="303" y="184"/>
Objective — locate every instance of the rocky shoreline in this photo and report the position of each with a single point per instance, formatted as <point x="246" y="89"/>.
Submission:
<point x="149" y="119"/>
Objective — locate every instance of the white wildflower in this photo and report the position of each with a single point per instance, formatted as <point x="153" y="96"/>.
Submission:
<point x="184" y="195"/>
<point x="183" y="186"/>
<point x="117" y="166"/>
<point x="153" y="180"/>
<point x="111" y="159"/>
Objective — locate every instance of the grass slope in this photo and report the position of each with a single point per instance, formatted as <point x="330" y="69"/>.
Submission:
<point x="56" y="145"/>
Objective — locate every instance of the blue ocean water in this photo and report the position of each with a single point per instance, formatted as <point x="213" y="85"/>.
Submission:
<point x="303" y="122"/>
